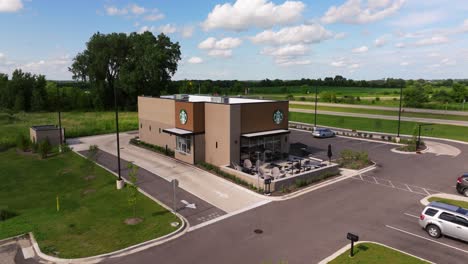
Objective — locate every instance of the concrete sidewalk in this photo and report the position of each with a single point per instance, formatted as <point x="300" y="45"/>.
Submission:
<point x="218" y="192"/>
<point x="195" y="210"/>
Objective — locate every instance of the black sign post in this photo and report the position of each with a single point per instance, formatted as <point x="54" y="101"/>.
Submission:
<point x="353" y="238"/>
<point x="329" y="153"/>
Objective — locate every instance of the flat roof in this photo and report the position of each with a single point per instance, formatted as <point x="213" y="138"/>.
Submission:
<point x="214" y="99"/>
<point x="177" y="131"/>
<point x="44" y="127"/>
<point x="266" y="133"/>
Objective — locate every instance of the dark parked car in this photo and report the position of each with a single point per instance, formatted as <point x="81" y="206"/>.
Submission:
<point x="462" y="184"/>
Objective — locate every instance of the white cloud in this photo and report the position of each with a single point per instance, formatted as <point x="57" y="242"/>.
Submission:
<point x="244" y="14"/>
<point x="354" y="66"/>
<point x="220" y="48"/>
<point x="400" y="45"/>
<point x="187" y="31"/>
<point x="419" y="19"/>
<point x="288" y="50"/>
<point x="435" y="40"/>
<point x="167" y="29"/>
<point x="154" y="15"/>
<point x="2" y="56"/>
<point x="146" y="28"/>
<point x="448" y="62"/>
<point x="340" y="35"/>
<point x="195" y="60"/>
<point x="10" y="6"/>
<point x="114" y="11"/>
<point x="380" y="41"/>
<point x="225" y="43"/>
<point x="339" y="63"/>
<point x="220" y="53"/>
<point x="136" y="9"/>
<point x="404" y="63"/>
<point x="362" y="49"/>
<point x="291" y="61"/>
<point x="354" y="12"/>
<point x="434" y="54"/>
<point x="306" y="34"/>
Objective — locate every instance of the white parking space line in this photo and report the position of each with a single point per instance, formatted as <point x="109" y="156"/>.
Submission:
<point x="425" y="238"/>
<point x="415" y="216"/>
<point x="408" y="188"/>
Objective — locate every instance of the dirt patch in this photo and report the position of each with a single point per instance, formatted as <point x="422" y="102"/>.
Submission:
<point x="88" y="191"/>
<point x="90" y="177"/>
<point x="133" y="221"/>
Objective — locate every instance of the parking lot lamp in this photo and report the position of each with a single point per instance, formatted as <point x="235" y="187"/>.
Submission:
<point x="418" y="143"/>
<point x="399" y="113"/>
<point x="315" y="117"/>
<point x="119" y="186"/>
<point x="59" y="120"/>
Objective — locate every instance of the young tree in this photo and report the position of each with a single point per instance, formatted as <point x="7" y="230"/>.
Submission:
<point x="133" y="187"/>
<point x="45" y="148"/>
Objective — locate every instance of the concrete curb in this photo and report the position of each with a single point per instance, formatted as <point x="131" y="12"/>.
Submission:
<point x="395" y="150"/>
<point x="384" y="133"/>
<point x="321" y="185"/>
<point x="346" y="248"/>
<point x="425" y="201"/>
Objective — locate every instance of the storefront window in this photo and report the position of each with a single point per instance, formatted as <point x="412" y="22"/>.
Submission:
<point x="263" y="148"/>
<point x="183" y="144"/>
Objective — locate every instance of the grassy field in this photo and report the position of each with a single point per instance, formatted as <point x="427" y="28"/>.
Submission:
<point x="379" y="125"/>
<point x="378" y="112"/>
<point x="370" y="253"/>
<point x="92" y="211"/>
<point x="75" y="123"/>
<point x="449" y="201"/>
<point x="339" y="91"/>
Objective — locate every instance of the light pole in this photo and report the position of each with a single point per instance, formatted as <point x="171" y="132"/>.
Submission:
<point x="59" y="120"/>
<point x="315" y="115"/>
<point x="399" y="113"/>
<point x="119" y="181"/>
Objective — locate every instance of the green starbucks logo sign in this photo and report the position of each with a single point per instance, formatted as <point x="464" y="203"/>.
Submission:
<point x="278" y="116"/>
<point x="183" y="117"/>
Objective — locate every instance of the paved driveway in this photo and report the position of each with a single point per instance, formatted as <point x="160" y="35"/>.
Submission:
<point x="222" y="194"/>
<point x="312" y="226"/>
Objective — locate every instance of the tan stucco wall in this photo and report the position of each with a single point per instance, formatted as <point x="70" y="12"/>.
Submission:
<point x="235" y="133"/>
<point x="159" y="114"/>
<point x="258" y="117"/>
<point x="217" y="130"/>
<point x="199" y="148"/>
<point x="184" y="156"/>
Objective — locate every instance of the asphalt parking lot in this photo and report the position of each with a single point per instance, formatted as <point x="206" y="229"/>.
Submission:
<point x="310" y="227"/>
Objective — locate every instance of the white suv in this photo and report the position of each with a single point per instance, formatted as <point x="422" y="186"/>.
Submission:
<point x="444" y="219"/>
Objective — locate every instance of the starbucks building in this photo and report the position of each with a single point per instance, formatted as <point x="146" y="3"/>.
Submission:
<point x="217" y="130"/>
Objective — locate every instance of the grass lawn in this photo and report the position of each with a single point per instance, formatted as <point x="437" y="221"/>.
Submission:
<point x="458" y="203"/>
<point x="379" y="125"/>
<point x="378" y="112"/>
<point x="92" y="211"/>
<point x="75" y="123"/>
<point x="373" y="253"/>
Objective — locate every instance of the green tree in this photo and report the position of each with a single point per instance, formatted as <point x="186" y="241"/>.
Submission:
<point x="459" y="92"/>
<point x="39" y="94"/>
<point x="133" y="187"/>
<point x="415" y="96"/>
<point x="134" y="64"/>
<point x="45" y="148"/>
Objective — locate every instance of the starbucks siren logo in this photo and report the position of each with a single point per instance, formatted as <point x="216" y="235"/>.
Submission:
<point x="183" y="117"/>
<point x="278" y="117"/>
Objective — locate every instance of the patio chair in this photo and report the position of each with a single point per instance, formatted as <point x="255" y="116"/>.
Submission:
<point x="247" y="164"/>
<point x="236" y="166"/>
<point x="261" y="173"/>
<point x="276" y="173"/>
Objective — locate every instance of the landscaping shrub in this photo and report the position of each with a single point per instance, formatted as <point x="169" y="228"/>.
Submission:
<point x="152" y="147"/>
<point x="22" y="142"/>
<point x="65" y="148"/>
<point x="6" y="214"/>
<point x="354" y="159"/>
<point x="34" y="147"/>
<point x="45" y="148"/>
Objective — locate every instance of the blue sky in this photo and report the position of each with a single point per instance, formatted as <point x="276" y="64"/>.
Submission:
<point x="251" y="39"/>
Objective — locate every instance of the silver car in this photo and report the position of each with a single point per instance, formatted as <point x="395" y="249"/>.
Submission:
<point x="323" y="133"/>
<point x="444" y="219"/>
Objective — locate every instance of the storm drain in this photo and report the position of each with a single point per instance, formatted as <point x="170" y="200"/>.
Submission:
<point x="258" y="231"/>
